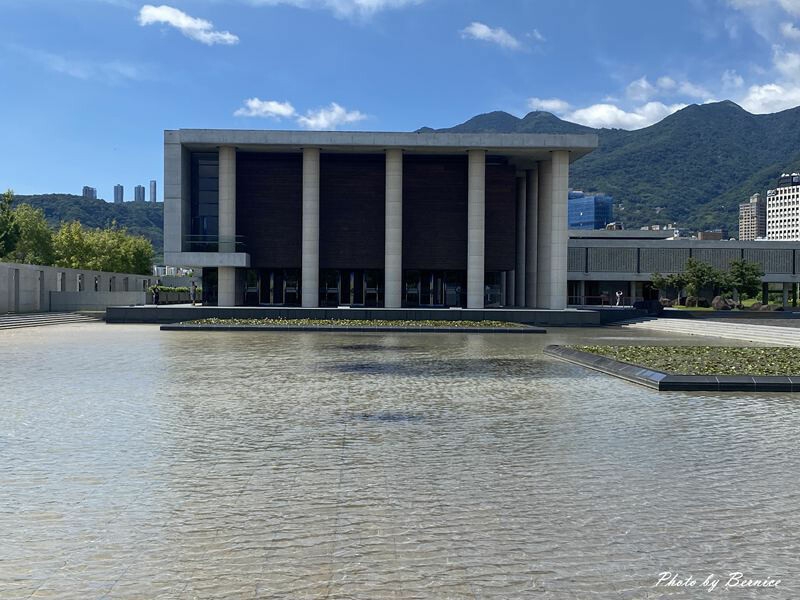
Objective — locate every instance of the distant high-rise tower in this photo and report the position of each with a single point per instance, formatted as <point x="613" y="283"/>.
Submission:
<point x="89" y="193"/>
<point x="153" y="191"/>
<point x="589" y="211"/>
<point x="119" y="194"/>
<point x="138" y="193"/>
<point x="753" y="218"/>
<point x="783" y="209"/>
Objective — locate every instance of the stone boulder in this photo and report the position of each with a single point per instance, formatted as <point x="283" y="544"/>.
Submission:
<point x="719" y="303"/>
<point x="770" y="308"/>
<point x="756" y="306"/>
<point x="667" y="302"/>
<point x="691" y="301"/>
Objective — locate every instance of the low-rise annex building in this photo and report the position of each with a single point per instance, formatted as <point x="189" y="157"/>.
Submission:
<point x="371" y="219"/>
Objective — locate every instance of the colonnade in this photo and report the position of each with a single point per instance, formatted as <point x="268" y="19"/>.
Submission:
<point x="540" y="276"/>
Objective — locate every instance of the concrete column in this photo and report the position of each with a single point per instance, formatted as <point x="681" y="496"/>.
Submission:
<point x="552" y="242"/>
<point x="531" y="237"/>
<point x="393" y="253"/>
<point x="764" y="293"/>
<point x="227" y="199"/>
<point x="503" y="284"/>
<point x="511" y="291"/>
<point x="310" y="272"/>
<point x="582" y="292"/>
<point x="519" y="270"/>
<point x="226" y="286"/>
<point x="476" y="217"/>
<point x="786" y="295"/>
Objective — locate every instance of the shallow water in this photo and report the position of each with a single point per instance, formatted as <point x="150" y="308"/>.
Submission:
<point x="146" y="464"/>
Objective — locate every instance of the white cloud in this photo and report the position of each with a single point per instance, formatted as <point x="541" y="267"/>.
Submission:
<point x="610" y="115"/>
<point x="344" y="8"/>
<point x="192" y="27"/>
<point x="537" y="36"/>
<point x="495" y="35"/>
<point x="640" y="90"/>
<point x="112" y="71"/>
<point x="330" y="117"/>
<point x="255" y="107"/>
<point x="787" y="64"/>
<point x="790" y="32"/>
<point x="555" y="105"/>
<point x="731" y="79"/>
<point x="687" y="88"/>
<point x="771" y="97"/>
<point x="666" y="83"/>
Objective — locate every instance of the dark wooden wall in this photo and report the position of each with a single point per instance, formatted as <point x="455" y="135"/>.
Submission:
<point x="351" y="211"/>
<point x="501" y="216"/>
<point x="352" y="204"/>
<point x="269" y="208"/>
<point x="435" y="212"/>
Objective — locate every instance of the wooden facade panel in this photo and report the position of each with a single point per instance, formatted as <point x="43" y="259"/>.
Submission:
<point x="435" y="212"/>
<point x="501" y="231"/>
<point x="269" y="209"/>
<point x="351" y="211"/>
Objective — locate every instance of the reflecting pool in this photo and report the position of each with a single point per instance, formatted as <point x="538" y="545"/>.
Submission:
<point x="146" y="464"/>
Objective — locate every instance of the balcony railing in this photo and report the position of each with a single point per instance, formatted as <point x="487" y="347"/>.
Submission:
<point x="214" y="243"/>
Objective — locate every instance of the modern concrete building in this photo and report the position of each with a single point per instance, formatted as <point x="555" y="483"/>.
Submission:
<point x="89" y="193"/>
<point x="589" y="211"/>
<point x="138" y="193"/>
<point x="371" y="219"/>
<point x="119" y="194"/>
<point x="783" y="209"/>
<point x="601" y="265"/>
<point x="753" y="218"/>
<point x="153" y="191"/>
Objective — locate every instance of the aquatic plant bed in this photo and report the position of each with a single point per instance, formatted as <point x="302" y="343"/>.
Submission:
<point x="691" y="368"/>
<point x="215" y="324"/>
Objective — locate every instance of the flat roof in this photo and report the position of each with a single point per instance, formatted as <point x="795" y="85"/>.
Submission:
<point x="536" y="146"/>
<point x="621" y="234"/>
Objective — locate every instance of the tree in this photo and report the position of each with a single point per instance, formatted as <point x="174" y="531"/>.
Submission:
<point x="664" y="283"/>
<point x="71" y="247"/>
<point x="9" y="229"/>
<point x="35" y="244"/>
<point x="111" y="249"/>
<point x="699" y="275"/>
<point x="745" y="277"/>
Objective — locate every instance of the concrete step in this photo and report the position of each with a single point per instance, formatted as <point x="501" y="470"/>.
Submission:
<point x="782" y="336"/>
<point x="15" y="321"/>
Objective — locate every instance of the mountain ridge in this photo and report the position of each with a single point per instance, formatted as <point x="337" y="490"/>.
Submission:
<point x="693" y="167"/>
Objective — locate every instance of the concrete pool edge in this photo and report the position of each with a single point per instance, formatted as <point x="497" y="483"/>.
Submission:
<point x="661" y="381"/>
<point x="362" y="329"/>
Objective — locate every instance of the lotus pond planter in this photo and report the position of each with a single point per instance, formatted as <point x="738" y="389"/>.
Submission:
<point x="348" y="329"/>
<point x="661" y="381"/>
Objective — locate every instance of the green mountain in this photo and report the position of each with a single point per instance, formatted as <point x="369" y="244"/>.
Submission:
<point x="692" y="168"/>
<point x="139" y="218"/>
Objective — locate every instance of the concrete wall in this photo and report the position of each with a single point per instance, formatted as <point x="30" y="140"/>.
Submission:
<point x="71" y="301"/>
<point x="30" y="288"/>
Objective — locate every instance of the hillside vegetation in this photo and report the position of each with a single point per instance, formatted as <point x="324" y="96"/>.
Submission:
<point x="693" y="168"/>
<point x="139" y="218"/>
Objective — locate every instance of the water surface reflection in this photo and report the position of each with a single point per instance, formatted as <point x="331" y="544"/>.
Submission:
<point x="142" y="464"/>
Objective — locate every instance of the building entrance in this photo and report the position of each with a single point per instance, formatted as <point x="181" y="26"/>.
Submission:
<point x="350" y="287"/>
<point x="434" y="288"/>
<point x="279" y="287"/>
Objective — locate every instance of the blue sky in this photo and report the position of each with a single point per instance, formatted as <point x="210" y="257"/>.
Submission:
<point x="90" y="85"/>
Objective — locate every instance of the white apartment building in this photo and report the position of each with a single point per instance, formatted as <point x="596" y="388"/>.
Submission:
<point x="783" y="209"/>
